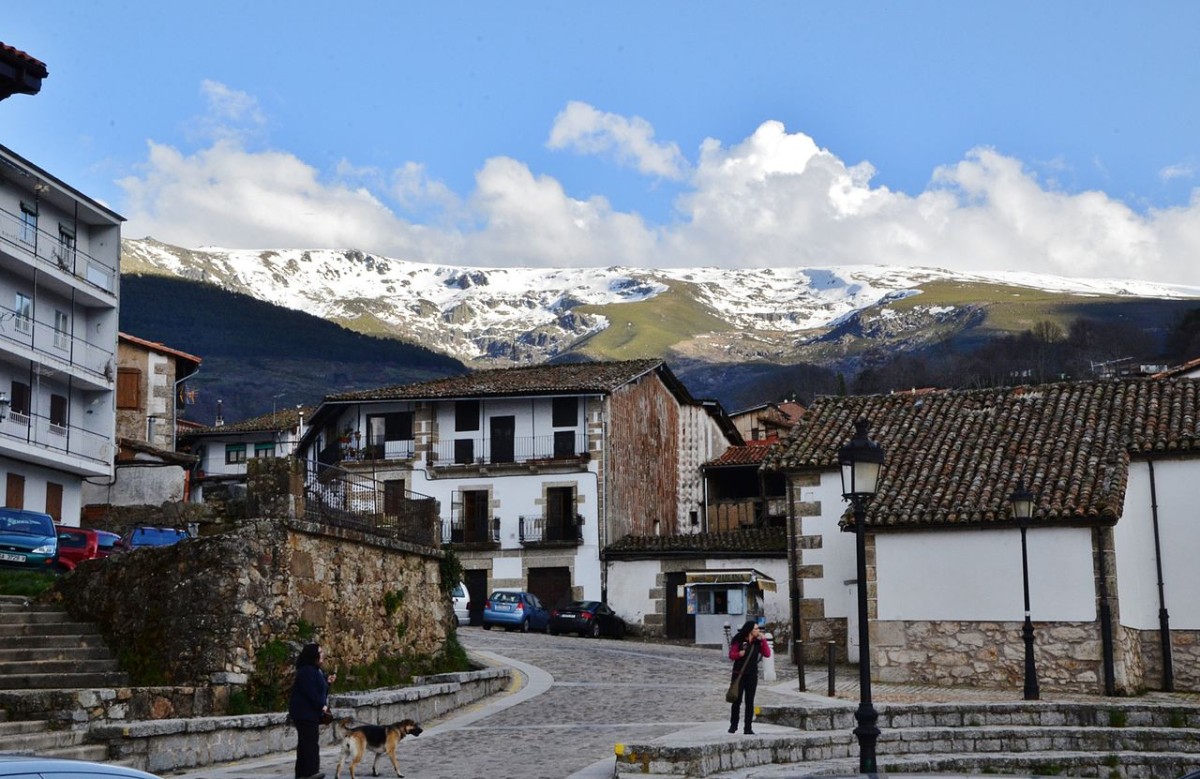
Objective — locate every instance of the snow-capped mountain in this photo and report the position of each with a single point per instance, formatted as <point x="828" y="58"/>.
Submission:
<point x="504" y="315"/>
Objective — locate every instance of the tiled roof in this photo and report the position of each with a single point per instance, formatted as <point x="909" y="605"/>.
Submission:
<point x="532" y="380"/>
<point x="157" y="347"/>
<point x="283" y="419"/>
<point x="753" y="453"/>
<point x="955" y="457"/>
<point x="1179" y="370"/>
<point x="740" y="543"/>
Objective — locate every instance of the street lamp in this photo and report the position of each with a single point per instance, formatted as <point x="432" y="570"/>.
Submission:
<point x="1022" y="509"/>
<point x="861" y="461"/>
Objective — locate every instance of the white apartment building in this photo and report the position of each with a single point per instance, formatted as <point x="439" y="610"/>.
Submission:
<point x="59" y="296"/>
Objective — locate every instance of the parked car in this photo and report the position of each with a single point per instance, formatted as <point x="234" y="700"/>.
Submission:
<point x="515" y="610"/>
<point x="587" y="618"/>
<point x="27" y="540"/>
<point x="461" y="598"/>
<point x="26" y="766"/>
<point x="144" y="535"/>
<point x="76" y="544"/>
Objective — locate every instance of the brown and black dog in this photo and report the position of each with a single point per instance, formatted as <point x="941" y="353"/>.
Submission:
<point x="357" y="740"/>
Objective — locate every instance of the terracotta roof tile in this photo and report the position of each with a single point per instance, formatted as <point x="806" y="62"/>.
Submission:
<point x="537" y="379"/>
<point x="751" y="542"/>
<point x="954" y="457"/>
<point x="283" y="419"/>
<point x="753" y="453"/>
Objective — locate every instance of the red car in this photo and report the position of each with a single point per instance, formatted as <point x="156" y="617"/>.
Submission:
<point x="76" y="544"/>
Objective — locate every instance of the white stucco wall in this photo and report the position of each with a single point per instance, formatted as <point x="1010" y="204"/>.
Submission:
<point x="976" y="575"/>
<point x="629" y="586"/>
<point x="835" y="554"/>
<point x="1179" y="533"/>
<point x="36" y="478"/>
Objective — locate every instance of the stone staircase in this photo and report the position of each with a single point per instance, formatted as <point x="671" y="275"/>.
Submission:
<point x="42" y="650"/>
<point x="1113" y="739"/>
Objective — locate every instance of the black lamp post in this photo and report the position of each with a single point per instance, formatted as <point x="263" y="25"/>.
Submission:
<point x="1022" y="509"/>
<point x="861" y="461"/>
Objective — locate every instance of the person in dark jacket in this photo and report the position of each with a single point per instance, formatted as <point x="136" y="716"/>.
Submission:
<point x="310" y="693"/>
<point x="747" y="646"/>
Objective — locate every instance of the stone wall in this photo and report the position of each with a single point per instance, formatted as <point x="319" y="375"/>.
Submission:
<point x="199" y="611"/>
<point x="1185" y="658"/>
<point x="987" y="654"/>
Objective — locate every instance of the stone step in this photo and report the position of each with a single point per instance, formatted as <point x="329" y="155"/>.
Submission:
<point x="33" y="617"/>
<point x="41" y="742"/>
<point x="97" y="753"/>
<point x="64" y="681"/>
<point x="22" y="726"/>
<point x="15" y="630"/>
<point x="54" y="641"/>
<point x="65" y="652"/>
<point x="52" y="666"/>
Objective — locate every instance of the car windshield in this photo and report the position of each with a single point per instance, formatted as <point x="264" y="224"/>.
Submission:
<point x="27" y="524"/>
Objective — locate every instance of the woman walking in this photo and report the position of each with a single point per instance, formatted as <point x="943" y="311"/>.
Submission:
<point x="747" y="646"/>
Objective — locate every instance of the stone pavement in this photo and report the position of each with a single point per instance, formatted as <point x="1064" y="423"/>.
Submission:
<point x="576" y="698"/>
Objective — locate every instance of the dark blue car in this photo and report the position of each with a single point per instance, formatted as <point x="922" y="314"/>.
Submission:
<point x="515" y="610"/>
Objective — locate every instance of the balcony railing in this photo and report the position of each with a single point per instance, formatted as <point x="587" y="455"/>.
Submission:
<point x="48" y="250"/>
<point x="55" y="346"/>
<point x="466" y="450"/>
<point x="336" y="497"/>
<point x="41" y="432"/>
<point x="480" y="532"/>
<point x="544" y="530"/>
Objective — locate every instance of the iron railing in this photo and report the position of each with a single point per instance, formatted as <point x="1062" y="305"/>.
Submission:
<point x="48" y="250"/>
<point x="467" y="450"/>
<point x="541" y="530"/>
<point x="69" y="439"/>
<point x="467" y="531"/>
<point x="55" y="347"/>
<point x="333" y="496"/>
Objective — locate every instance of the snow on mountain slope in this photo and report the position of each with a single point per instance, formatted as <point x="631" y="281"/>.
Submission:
<point x="476" y="313"/>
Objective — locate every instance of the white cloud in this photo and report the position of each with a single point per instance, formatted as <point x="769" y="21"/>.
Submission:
<point x="772" y="199"/>
<point x="1178" y="171"/>
<point x="586" y="130"/>
<point x="232" y="114"/>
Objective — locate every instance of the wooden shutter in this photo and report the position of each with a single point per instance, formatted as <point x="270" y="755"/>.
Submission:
<point x="129" y="388"/>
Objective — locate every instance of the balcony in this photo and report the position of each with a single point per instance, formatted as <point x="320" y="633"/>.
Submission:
<point x="466" y="534"/>
<point x="354" y="501"/>
<point x="551" y="531"/>
<point x="564" y="447"/>
<point x="36" y="433"/>
<point x="48" y="252"/>
<point x="45" y="344"/>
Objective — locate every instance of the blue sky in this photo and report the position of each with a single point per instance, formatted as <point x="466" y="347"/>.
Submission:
<point x="1056" y="137"/>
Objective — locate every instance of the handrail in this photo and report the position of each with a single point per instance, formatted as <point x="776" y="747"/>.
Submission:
<point x="46" y="249"/>
<point x="334" y="496"/>
<point x="540" y="529"/>
<point x="57" y="345"/>
<point x="71" y="439"/>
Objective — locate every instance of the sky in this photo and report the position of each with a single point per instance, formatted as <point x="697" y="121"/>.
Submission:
<point x="1061" y="138"/>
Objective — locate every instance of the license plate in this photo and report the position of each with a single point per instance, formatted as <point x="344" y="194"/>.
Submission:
<point x="12" y="558"/>
<point x="504" y="607"/>
<point x="567" y="614"/>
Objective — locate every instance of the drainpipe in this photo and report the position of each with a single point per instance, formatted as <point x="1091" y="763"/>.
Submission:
<point x="602" y="521"/>
<point x="1164" y="619"/>
<point x="1106" y="630"/>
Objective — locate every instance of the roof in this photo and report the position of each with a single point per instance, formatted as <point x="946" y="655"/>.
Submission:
<point x="277" y="421"/>
<point x="19" y="72"/>
<point x="747" y="576"/>
<point x="566" y="378"/>
<point x="156" y="346"/>
<point x="1179" y="370"/>
<point x="752" y="453"/>
<point x="756" y="542"/>
<point x="954" y="457"/>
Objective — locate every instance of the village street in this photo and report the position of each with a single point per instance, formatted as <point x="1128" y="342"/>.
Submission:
<point x="581" y="697"/>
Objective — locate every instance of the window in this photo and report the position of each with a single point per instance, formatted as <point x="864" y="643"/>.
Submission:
<point x="565" y="412"/>
<point x="23" y="309"/>
<point x="472" y="510"/>
<point x="464" y="451"/>
<point x="389" y="428"/>
<point x="14" y="491"/>
<point x="560" y="514"/>
<point x="58" y="414"/>
<point x="21" y="399"/>
<point x="265" y="449"/>
<point x="564" y="443"/>
<point x="62" y="329"/>
<point x="235" y="453"/>
<point x="28" y="224"/>
<point x="129" y="388"/>
<point x="54" y="500"/>
<point x="65" y="253"/>
<point x="466" y="415"/>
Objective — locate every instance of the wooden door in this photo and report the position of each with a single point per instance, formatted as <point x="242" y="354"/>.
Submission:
<point x="680" y="624"/>
<point x="14" y="492"/>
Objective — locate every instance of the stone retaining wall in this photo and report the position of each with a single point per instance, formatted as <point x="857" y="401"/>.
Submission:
<point x="987" y="654"/>
<point x="161" y="746"/>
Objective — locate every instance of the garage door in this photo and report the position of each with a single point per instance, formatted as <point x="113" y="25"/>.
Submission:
<point x="551" y="585"/>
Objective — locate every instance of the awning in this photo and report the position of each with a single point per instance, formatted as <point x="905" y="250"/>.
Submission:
<point x="745" y="576"/>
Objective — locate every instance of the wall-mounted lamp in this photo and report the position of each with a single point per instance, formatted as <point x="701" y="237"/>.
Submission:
<point x="5" y="405"/>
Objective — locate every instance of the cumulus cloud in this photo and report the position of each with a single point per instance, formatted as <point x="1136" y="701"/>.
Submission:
<point x="584" y="129"/>
<point x="775" y="198"/>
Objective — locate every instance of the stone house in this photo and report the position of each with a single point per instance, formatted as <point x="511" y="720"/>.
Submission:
<point x="59" y="301"/>
<point x="1113" y="465"/>
<point x="535" y="469"/>
<point x="766" y="421"/>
